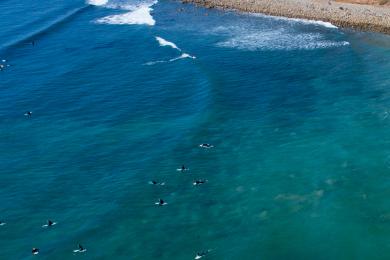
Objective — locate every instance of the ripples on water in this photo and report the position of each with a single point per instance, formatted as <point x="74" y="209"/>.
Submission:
<point x="297" y="111"/>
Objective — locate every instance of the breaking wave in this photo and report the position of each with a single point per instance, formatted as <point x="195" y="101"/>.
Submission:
<point x="137" y="13"/>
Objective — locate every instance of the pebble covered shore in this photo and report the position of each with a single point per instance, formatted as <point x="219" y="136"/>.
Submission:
<point x="358" y="16"/>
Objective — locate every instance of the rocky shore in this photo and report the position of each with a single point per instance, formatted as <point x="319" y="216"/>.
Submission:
<point x="372" y="16"/>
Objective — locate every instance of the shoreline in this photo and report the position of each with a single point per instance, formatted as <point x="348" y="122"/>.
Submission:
<point x="374" y="18"/>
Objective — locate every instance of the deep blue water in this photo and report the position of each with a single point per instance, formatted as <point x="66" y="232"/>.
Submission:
<point x="298" y="113"/>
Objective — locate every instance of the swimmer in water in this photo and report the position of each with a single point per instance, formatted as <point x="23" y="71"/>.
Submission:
<point x="49" y="224"/>
<point x="160" y="202"/>
<point x="183" y="168"/>
<point x="35" y="251"/>
<point x="28" y="114"/>
<point x="207" y="146"/>
<point x="157" y="183"/>
<point x="199" y="182"/>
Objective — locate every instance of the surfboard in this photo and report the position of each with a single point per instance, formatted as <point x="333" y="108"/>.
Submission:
<point x="46" y="225"/>
<point x="206" y="147"/>
<point x="158" y="203"/>
<point x="79" y="251"/>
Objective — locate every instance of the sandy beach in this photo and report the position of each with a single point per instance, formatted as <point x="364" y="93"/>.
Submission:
<point x="366" y="15"/>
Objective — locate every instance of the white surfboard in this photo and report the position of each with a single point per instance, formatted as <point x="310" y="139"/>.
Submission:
<point x="46" y="225"/>
<point x="79" y="251"/>
<point x="206" y="147"/>
<point x="158" y="204"/>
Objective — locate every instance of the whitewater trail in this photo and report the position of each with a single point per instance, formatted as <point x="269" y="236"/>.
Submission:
<point x="164" y="43"/>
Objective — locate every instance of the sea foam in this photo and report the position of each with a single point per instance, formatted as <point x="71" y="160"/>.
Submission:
<point x="97" y="2"/>
<point x="247" y="37"/>
<point x="164" y="42"/>
<point x="183" y="56"/>
<point x="298" y="20"/>
<point x="138" y="14"/>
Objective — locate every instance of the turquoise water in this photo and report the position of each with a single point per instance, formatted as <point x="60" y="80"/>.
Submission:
<point x="298" y="112"/>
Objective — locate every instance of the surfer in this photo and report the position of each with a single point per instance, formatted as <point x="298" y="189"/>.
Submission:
<point x="50" y="223"/>
<point x="199" y="182"/>
<point x="28" y="114"/>
<point x="161" y="202"/>
<point x="80" y="250"/>
<point x="199" y="255"/>
<point x="157" y="183"/>
<point x="206" y="146"/>
<point x="183" y="168"/>
<point x="35" y="251"/>
<point x="2" y="223"/>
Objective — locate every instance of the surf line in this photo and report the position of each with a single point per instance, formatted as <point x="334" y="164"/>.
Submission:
<point x="165" y="43"/>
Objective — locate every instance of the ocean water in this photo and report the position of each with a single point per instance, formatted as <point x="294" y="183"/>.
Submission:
<point x="123" y="92"/>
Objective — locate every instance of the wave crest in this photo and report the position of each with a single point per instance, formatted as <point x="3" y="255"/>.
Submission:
<point x="97" y="2"/>
<point x="139" y="13"/>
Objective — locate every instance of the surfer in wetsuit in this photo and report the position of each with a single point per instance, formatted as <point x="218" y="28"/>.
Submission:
<point x="81" y="248"/>
<point x="199" y="182"/>
<point x="35" y="251"/>
<point x="161" y="202"/>
<point x="50" y="223"/>
<point x="183" y="168"/>
<point x="28" y="114"/>
<point x="157" y="183"/>
<point x="199" y="255"/>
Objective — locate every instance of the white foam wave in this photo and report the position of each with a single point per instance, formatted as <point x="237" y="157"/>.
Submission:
<point x="313" y="22"/>
<point x="183" y="56"/>
<point x="140" y="14"/>
<point x="298" y="20"/>
<point x="164" y="42"/>
<point x="97" y="2"/>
